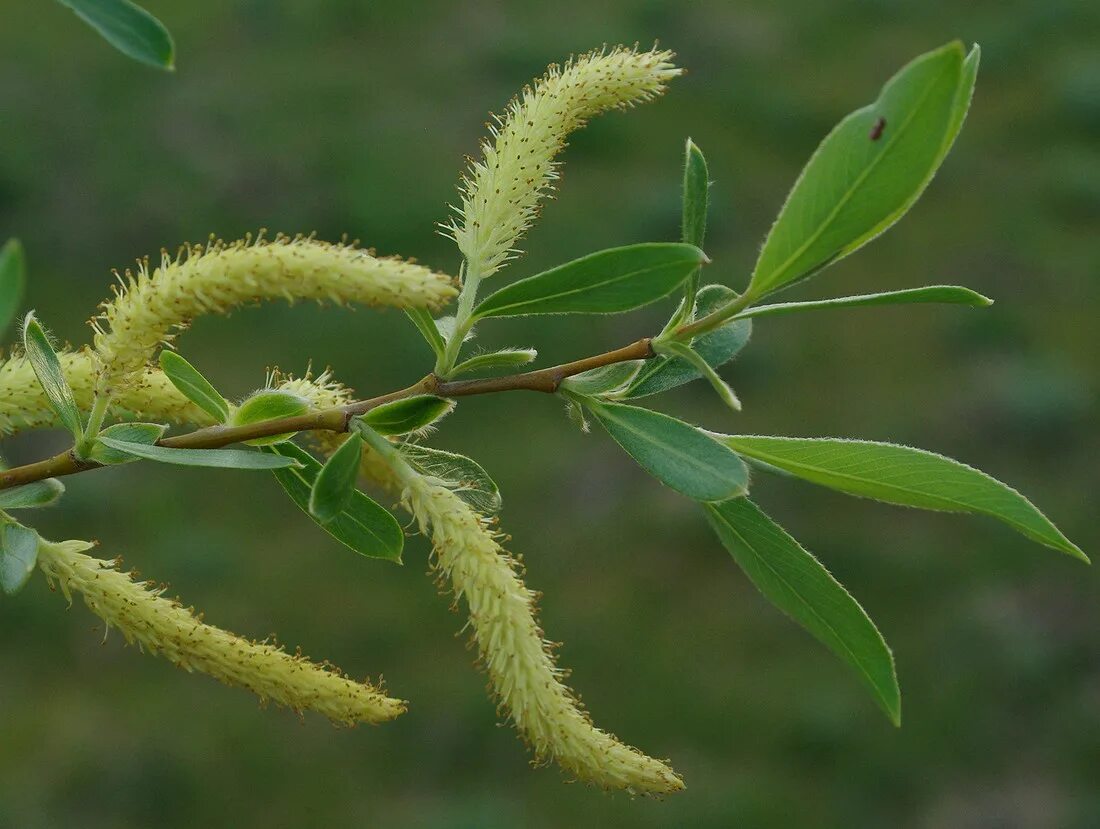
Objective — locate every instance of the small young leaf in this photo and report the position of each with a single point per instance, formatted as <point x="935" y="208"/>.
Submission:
<point x="18" y="556"/>
<point x="694" y="220"/>
<point x="602" y="380"/>
<point x="215" y="458"/>
<point x="364" y="526"/>
<point x="867" y="172"/>
<point x="465" y="476"/>
<point x="269" y="405"/>
<point x="335" y="483"/>
<point x="13" y="278"/>
<point x="28" y="496"/>
<point x="717" y="347"/>
<point x="905" y="476"/>
<point x="47" y="369"/>
<point x="143" y="433"/>
<point x="428" y="329"/>
<point x="619" y="279"/>
<point x="675" y="453"/>
<point x="194" y="386"/>
<point x="945" y="294"/>
<point x="797" y="583"/>
<point x="407" y="415"/>
<point x="505" y="358"/>
<point x="689" y="355"/>
<point x="129" y="28"/>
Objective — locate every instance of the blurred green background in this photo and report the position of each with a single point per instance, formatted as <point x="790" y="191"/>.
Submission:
<point x="354" y="117"/>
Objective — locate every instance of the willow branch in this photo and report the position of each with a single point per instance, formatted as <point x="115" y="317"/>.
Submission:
<point x="546" y="380"/>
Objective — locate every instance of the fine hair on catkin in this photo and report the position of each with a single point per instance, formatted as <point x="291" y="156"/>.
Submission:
<point x="164" y="626"/>
<point x="501" y="191"/>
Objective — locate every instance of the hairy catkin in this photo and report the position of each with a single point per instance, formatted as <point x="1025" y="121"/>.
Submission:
<point x="501" y="192"/>
<point x="515" y="652"/>
<point x="163" y="626"/>
<point x="149" y="395"/>
<point x="216" y="278"/>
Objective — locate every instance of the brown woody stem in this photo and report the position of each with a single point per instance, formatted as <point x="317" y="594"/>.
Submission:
<point x="546" y="380"/>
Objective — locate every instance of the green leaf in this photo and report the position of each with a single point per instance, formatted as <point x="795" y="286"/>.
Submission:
<point x="796" y="582"/>
<point x="602" y="380"/>
<point x="504" y="358"/>
<point x="945" y="294"/>
<point x="28" y="496"/>
<point x="675" y="453"/>
<point x="465" y="476"/>
<point x="619" y="279"/>
<point x="905" y="476"/>
<point x="18" y="556"/>
<point x="686" y="353"/>
<point x="13" y="280"/>
<point x="428" y="329"/>
<point x="363" y="525"/>
<point x="717" y="347"/>
<point x="47" y="369"/>
<point x="214" y="458"/>
<point x="333" y="487"/>
<point x="694" y="219"/>
<point x="144" y="433"/>
<point x="194" y="386"/>
<point x="867" y="172"/>
<point x="407" y="415"/>
<point x="963" y="96"/>
<point x="129" y="28"/>
<point x="269" y="405"/>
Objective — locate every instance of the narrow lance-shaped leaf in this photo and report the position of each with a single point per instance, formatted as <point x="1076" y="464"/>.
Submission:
<point x="428" y="329"/>
<point x="47" y="368"/>
<point x="619" y="279"/>
<point x="363" y="525"/>
<point x="504" y="358"/>
<point x="694" y="219"/>
<point x="867" y="172"/>
<point x="129" y="28"/>
<point x="143" y="433"/>
<point x="905" y="476"/>
<point x="685" y="352"/>
<point x="675" y="453"/>
<point x="335" y="483"/>
<point x="13" y="278"/>
<point x="943" y="294"/>
<point x="194" y="386"/>
<point x="717" y="347"/>
<point x="797" y="583"/>
<point x="215" y="458"/>
<point x="35" y="494"/>
<point x="18" y="556"/>
<point x="407" y="415"/>
<point x="603" y="380"/>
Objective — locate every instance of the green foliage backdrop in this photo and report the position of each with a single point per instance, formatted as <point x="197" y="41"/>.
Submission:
<point x="354" y="117"/>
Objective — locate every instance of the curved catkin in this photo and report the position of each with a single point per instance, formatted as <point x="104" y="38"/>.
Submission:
<point x="515" y="654"/>
<point x="163" y="626"/>
<point x="216" y="278"/>
<point x="502" y="191"/>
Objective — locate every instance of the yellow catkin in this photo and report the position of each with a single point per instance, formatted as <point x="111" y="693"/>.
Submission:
<point x="163" y="626"/>
<point x="216" y="278"/>
<point x="149" y="395"/>
<point x="501" y="192"/>
<point x="515" y="652"/>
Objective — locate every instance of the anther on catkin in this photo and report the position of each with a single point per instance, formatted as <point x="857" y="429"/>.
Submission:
<point x="501" y="192"/>
<point x="163" y="626"/>
<point x="216" y="278"/>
